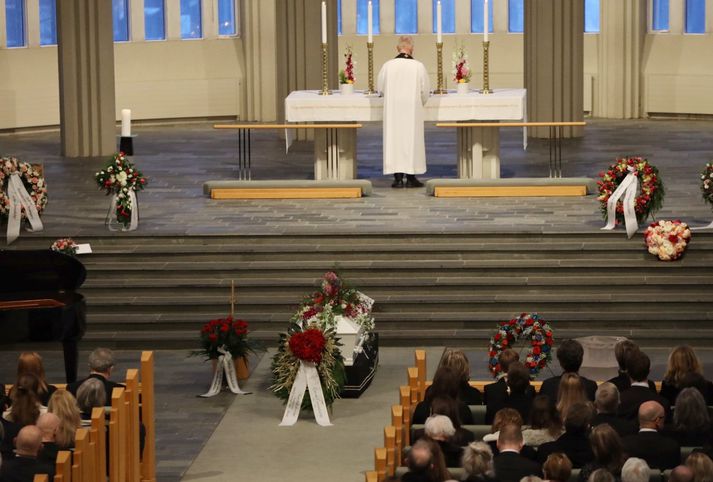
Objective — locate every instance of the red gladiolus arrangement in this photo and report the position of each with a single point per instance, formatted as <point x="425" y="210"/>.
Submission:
<point x="308" y="345"/>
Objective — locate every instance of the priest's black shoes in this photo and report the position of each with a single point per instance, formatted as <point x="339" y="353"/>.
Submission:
<point x="398" y="180"/>
<point x="411" y="181"/>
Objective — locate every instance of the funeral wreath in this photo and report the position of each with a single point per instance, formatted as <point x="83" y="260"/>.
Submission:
<point x="530" y="328"/>
<point x="667" y="240"/>
<point x="31" y="179"/>
<point x="649" y="198"/>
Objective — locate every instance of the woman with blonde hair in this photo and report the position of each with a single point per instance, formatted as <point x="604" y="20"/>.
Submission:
<point x="26" y="407"/>
<point x="701" y="465"/>
<point x="30" y="362"/>
<point x="458" y="362"/>
<point x="570" y="391"/>
<point x="478" y="463"/>
<point x="684" y="370"/>
<point x="64" y="405"/>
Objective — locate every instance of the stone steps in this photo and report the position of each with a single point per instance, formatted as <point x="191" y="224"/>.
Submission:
<point x="429" y="289"/>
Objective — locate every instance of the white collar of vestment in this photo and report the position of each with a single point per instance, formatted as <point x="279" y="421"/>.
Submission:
<point x="640" y="384"/>
<point x="647" y="430"/>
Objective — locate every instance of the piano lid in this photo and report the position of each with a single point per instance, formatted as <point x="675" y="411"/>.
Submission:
<point x="39" y="270"/>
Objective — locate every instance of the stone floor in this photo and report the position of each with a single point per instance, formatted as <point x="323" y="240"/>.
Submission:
<point x="178" y="159"/>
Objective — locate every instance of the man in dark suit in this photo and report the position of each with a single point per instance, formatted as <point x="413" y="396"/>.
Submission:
<point x="622" y="351"/>
<point x="570" y="355"/>
<point x="24" y="466"/>
<point x="101" y="364"/>
<point x="658" y="451"/>
<point x="606" y="403"/>
<point x="518" y="394"/>
<point x="9" y="433"/>
<point x="509" y="464"/>
<point x="638" y="366"/>
<point x="574" y="442"/>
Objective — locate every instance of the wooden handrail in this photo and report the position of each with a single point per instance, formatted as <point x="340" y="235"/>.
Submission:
<point x="511" y="124"/>
<point x="287" y="126"/>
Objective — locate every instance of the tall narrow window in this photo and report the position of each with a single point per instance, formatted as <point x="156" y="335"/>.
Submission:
<point x="120" y="10"/>
<point x="339" y="17"/>
<point x="48" y="22"/>
<point x="516" y="16"/>
<point x="191" y="22"/>
<point x="659" y="14"/>
<point x="406" y="12"/>
<point x="226" y="17"/>
<point x="448" y="12"/>
<point x="363" y="16"/>
<point x="476" y="16"/>
<point x="155" y="19"/>
<point x="695" y="16"/>
<point x="15" y="22"/>
<point x="591" y="16"/>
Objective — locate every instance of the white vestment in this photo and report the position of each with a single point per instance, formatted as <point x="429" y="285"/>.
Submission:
<point x="405" y="86"/>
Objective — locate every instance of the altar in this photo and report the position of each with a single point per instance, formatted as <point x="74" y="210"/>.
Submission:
<point x="478" y="148"/>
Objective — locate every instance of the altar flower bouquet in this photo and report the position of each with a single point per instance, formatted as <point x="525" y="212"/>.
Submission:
<point x="346" y="75"/>
<point x="118" y="178"/>
<point x="707" y="184"/>
<point x="65" y="246"/>
<point x="461" y="69"/>
<point x="651" y="189"/>
<point x="311" y="343"/>
<point x="230" y="333"/>
<point x="335" y="298"/>
<point x="667" y="239"/>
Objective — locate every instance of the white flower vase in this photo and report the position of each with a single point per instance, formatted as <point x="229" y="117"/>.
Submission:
<point x="346" y="89"/>
<point x="112" y="223"/>
<point x="463" y="88"/>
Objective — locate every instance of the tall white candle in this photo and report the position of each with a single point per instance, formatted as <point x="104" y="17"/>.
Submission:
<point x="486" y="19"/>
<point x="439" y="20"/>
<point x="324" y="22"/>
<point x="125" y="122"/>
<point x="370" y="16"/>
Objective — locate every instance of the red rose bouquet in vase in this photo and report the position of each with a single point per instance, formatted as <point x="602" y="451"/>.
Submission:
<point x="227" y="335"/>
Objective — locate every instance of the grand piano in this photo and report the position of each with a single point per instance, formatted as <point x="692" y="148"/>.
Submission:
<point x="39" y="302"/>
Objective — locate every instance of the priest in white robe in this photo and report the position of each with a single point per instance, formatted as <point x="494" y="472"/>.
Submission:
<point x="404" y="83"/>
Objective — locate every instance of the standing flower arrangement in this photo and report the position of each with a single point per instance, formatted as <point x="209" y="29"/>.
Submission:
<point x="650" y="196"/>
<point x="528" y="327"/>
<point x="32" y="180"/>
<point x="346" y="75"/>
<point x="667" y="239"/>
<point x="227" y="333"/>
<point x="122" y="179"/>
<point x="65" y="246"/>
<point x="707" y="184"/>
<point x="461" y="69"/>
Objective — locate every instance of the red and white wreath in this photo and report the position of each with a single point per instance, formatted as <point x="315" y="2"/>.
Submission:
<point x="31" y="179"/>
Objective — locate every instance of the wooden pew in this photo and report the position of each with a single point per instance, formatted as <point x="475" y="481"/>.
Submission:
<point x="82" y="460"/>
<point x="41" y="478"/>
<point x="413" y="384"/>
<point x="420" y="358"/>
<point x="397" y="421"/>
<point x="148" y="417"/>
<point x="118" y="427"/>
<point x="406" y="410"/>
<point x="63" y="467"/>
<point x="390" y="445"/>
<point x="131" y="402"/>
<point x="380" y="464"/>
<point x="371" y="476"/>
<point x="97" y="436"/>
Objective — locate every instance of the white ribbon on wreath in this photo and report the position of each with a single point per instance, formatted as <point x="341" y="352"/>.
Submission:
<point x="628" y="189"/>
<point x="307" y="379"/>
<point x="19" y="199"/>
<point x="225" y="366"/>
<point x="700" y="228"/>
<point x="111" y="215"/>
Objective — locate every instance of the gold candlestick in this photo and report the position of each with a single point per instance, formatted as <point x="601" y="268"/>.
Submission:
<point x="486" y="68"/>
<point x="370" y="49"/>
<point x="441" y="89"/>
<point x="325" y="83"/>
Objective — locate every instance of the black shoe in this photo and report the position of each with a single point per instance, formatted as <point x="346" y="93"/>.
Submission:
<point x="398" y="180"/>
<point x="411" y="181"/>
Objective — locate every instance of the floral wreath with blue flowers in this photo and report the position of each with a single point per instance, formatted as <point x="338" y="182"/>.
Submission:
<point x="525" y="327"/>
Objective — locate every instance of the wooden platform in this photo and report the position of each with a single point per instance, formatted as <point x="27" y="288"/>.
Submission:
<point x="510" y="191"/>
<point x="286" y="193"/>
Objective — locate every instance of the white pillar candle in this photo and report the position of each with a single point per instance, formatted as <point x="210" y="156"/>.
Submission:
<point x="370" y="16"/>
<point x="486" y="19"/>
<point x="125" y="122"/>
<point x="324" y="22"/>
<point x="439" y="20"/>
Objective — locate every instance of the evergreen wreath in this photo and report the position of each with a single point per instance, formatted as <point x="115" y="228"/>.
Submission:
<point x="528" y="327"/>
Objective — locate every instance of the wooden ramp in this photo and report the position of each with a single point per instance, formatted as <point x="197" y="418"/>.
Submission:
<point x="287" y="189"/>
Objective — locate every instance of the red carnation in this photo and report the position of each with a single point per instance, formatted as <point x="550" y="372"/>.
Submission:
<point x="673" y="238"/>
<point x="536" y="350"/>
<point x="308" y="345"/>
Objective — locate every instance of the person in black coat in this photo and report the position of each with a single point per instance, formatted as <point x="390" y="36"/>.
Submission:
<point x="449" y="408"/>
<point x="570" y="355"/>
<point x="496" y="389"/>
<point x="458" y="362"/>
<point x="659" y="451"/>
<point x="606" y="403"/>
<point x="691" y="425"/>
<point x="101" y="365"/>
<point x="510" y="465"/>
<point x="621" y="351"/>
<point x="446" y="383"/>
<point x="574" y="442"/>
<point x="7" y="438"/>
<point x="25" y="465"/>
<point x="425" y="463"/>
<point x="638" y="366"/>
<point x="518" y="394"/>
<point x="684" y="370"/>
